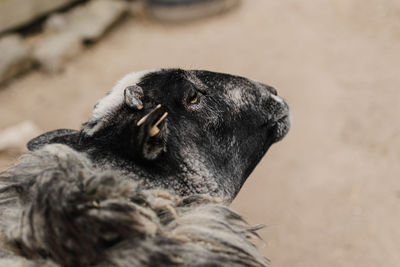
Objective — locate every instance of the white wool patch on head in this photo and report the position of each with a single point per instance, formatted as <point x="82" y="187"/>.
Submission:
<point x="277" y="98"/>
<point x="235" y="95"/>
<point x="114" y="99"/>
<point x="238" y="98"/>
<point x="116" y="96"/>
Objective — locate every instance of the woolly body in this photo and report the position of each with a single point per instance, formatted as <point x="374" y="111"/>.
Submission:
<point x="58" y="210"/>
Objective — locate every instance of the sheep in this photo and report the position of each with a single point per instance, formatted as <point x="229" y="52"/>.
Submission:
<point x="148" y="179"/>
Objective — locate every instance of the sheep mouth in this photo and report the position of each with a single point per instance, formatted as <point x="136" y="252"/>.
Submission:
<point x="278" y="126"/>
<point x="281" y="127"/>
<point x="280" y="121"/>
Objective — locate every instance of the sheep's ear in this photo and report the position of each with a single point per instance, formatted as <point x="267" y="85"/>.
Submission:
<point x="150" y="134"/>
<point x="60" y="136"/>
<point x="132" y="96"/>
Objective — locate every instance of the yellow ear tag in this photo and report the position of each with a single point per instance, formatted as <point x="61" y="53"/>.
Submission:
<point x="154" y="130"/>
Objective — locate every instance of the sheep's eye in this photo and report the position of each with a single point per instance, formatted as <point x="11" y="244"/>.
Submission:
<point x="193" y="98"/>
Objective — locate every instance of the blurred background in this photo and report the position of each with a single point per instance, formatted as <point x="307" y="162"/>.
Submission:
<point x="329" y="193"/>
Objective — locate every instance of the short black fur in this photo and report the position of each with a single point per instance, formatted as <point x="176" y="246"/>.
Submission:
<point x="210" y="146"/>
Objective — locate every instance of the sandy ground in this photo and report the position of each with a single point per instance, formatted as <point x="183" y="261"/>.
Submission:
<point x="330" y="192"/>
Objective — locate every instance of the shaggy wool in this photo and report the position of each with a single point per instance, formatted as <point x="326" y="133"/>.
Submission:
<point x="57" y="209"/>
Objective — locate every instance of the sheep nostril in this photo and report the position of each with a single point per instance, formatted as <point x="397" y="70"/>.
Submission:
<point x="272" y="90"/>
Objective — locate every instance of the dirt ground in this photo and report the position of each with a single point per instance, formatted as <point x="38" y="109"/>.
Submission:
<point x="329" y="193"/>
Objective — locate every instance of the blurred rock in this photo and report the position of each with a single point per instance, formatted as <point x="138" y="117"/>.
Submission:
<point x="92" y="20"/>
<point x="65" y="33"/>
<point x="14" y="138"/>
<point x="15" y="57"/>
<point x="54" y="50"/>
<point x="15" y="13"/>
<point x="89" y="21"/>
<point x="63" y="36"/>
<point x="56" y="23"/>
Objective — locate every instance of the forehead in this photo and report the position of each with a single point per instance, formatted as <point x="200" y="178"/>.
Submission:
<point x="238" y="92"/>
<point x="201" y="79"/>
<point x="234" y="88"/>
<point x="221" y="80"/>
<point x="222" y="89"/>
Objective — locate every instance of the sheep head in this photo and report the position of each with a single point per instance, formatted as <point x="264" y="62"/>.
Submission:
<point x="186" y="131"/>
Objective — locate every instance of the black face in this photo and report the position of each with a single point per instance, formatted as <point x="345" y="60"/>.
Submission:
<point x="188" y="131"/>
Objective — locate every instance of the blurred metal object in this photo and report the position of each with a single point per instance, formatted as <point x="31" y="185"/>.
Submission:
<point x="186" y="10"/>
